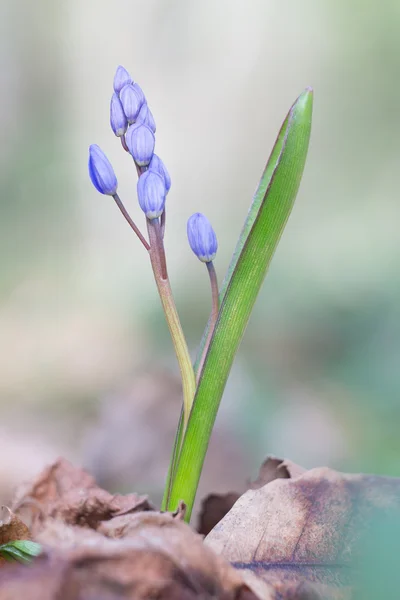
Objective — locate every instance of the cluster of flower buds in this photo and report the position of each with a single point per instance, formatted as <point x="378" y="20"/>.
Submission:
<point x="132" y="121"/>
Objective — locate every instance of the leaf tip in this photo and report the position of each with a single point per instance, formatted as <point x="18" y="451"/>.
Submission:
<point x="304" y="104"/>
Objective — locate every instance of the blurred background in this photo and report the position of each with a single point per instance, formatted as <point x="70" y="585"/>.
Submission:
<point x="87" y="367"/>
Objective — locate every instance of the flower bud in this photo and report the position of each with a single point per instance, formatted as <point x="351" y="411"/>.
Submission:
<point x="151" y="194"/>
<point x="202" y="238"/>
<point x="139" y="92"/>
<point x="145" y="116"/>
<point x="157" y="165"/>
<point x="101" y="172"/>
<point x="140" y="141"/>
<point x="131" y="102"/>
<point x="118" y="120"/>
<point x="121" y="78"/>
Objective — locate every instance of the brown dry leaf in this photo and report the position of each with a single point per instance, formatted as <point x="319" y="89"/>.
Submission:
<point x="276" y="468"/>
<point x="180" y="512"/>
<point x="301" y="535"/>
<point x="11" y="528"/>
<point x="215" y="506"/>
<point x="71" y="495"/>
<point x="160" y="557"/>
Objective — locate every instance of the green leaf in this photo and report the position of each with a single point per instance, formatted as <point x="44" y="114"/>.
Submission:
<point x="259" y="196"/>
<point x="20" y="550"/>
<point x="262" y="231"/>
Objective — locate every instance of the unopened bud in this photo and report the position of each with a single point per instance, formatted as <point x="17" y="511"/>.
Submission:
<point x="140" y="141"/>
<point x="131" y="102"/>
<point x="157" y="165"/>
<point x="202" y="238"/>
<point x="151" y="194"/>
<point x="121" y="78"/>
<point x="101" y="172"/>
<point x="139" y="92"/>
<point x="118" y="120"/>
<point x="145" y="116"/>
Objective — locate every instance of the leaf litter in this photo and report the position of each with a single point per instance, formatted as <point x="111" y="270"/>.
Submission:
<point x="293" y="535"/>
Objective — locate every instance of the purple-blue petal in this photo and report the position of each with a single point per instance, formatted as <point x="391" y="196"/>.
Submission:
<point x="157" y="165"/>
<point x="118" y="120"/>
<point x="145" y="116"/>
<point x="202" y="238"/>
<point x="140" y="141"/>
<point x="101" y="172"/>
<point x="151" y="194"/>
<point x="131" y="102"/>
<point x="139" y="92"/>
<point x="121" y="78"/>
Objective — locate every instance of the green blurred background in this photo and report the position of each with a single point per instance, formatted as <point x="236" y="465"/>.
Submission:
<point x="87" y="367"/>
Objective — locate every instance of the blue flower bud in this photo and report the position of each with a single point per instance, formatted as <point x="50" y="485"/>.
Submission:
<point x="151" y="194"/>
<point x="101" y="172"/>
<point x="131" y="102"/>
<point x="202" y="238"/>
<point x="121" y="78"/>
<point x="157" y="165"/>
<point x="139" y="92"/>
<point x="140" y="141"/>
<point x="145" y="116"/>
<point x="118" y="120"/>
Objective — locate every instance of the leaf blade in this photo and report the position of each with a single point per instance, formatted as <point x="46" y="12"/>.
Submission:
<point x="262" y="231"/>
<point x="251" y="216"/>
<point x="20" y="550"/>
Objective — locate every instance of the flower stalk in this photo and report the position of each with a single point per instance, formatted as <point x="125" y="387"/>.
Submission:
<point x="182" y="424"/>
<point x="158" y="263"/>
<point x="129" y="220"/>
<point x="213" y="317"/>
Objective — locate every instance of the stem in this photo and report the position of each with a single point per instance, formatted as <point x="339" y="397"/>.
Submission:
<point x="135" y="228"/>
<point x="180" y="431"/>
<point x="158" y="262"/>
<point x="123" y="143"/>
<point x="139" y="170"/>
<point x="213" y="317"/>
<point x="163" y="219"/>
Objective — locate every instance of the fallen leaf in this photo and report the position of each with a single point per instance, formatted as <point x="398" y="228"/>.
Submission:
<point x="11" y="529"/>
<point x="276" y="468"/>
<point x="71" y="495"/>
<point x="159" y="557"/>
<point x="180" y="512"/>
<point x="304" y="531"/>
<point x="215" y="506"/>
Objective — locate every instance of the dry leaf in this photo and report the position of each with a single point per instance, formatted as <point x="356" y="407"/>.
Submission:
<point x="160" y="557"/>
<point x="305" y="530"/>
<point x="215" y="506"/>
<point x="276" y="468"/>
<point x="180" y="512"/>
<point x="71" y="495"/>
<point x="293" y="538"/>
<point x="11" y="529"/>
